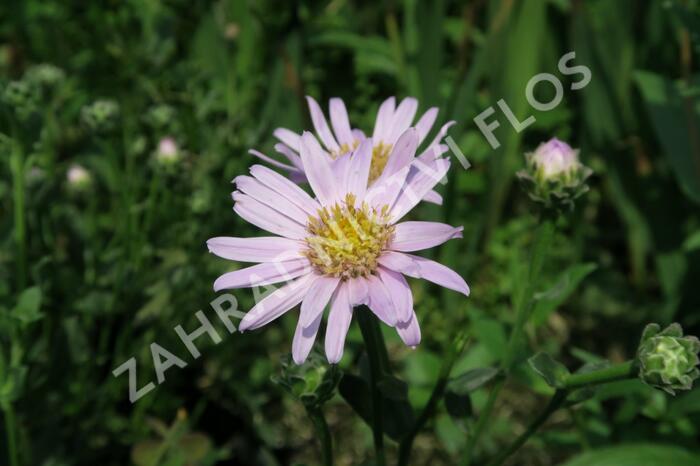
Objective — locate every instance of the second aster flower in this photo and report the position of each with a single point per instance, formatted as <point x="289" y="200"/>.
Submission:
<point x="339" y="138"/>
<point x="346" y="247"/>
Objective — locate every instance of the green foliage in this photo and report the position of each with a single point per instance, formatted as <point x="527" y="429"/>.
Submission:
<point x="635" y="455"/>
<point x="553" y="372"/>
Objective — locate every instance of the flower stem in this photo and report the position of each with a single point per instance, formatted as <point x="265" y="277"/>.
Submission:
<point x="622" y="371"/>
<point x="554" y="404"/>
<point x="11" y="430"/>
<point x="524" y="304"/>
<point x="17" y="168"/>
<point x="324" y="435"/>
<point x="608" y="374"/>
<point x="481" y="422"/>
<point x="436" y="395"/>
<point x="378" y="365"/>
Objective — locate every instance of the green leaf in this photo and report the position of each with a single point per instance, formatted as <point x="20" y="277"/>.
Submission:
<point x="645" y="454"/>
<point x="550" y="300"/>
<point x="472" y="380"/>
<point x="397" y="415"/>
<point x="146" y="453"/>
<point x="459" y="406"/>
<point x="393" y="388"/>
<point x="675" y="117"/>
<point x="27" y="308"/>
<point x="552" y="371"/>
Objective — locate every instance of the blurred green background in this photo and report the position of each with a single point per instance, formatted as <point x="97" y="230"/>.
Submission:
<point x="96" y="267"/>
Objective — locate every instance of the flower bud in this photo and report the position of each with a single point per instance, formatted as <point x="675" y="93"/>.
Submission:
<point x="554" y="175"/>
<point x="101" y="116"/>
<point x="313" y="382"/>
<point x="160" y="116"/>
<point x="167" y="154"/>
<point x="667" y="359"/>
<point x="79" y="179"/>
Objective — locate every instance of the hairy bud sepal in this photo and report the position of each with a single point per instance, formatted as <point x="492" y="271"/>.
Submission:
<point x="667" y="359"/>
<point x="313" y="382"/>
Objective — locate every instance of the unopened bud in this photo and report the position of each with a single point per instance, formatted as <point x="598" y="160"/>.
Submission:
<point x="168" y="152"/>
<point x="79" y="179"/>
<point x="554" y="175"/>
<point x="101" y="116"/>
<point x="667" y="359"/>
<point x="313" y="383"/>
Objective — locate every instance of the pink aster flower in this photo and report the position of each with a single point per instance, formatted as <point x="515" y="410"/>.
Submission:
<point x="346" y="247"/>
<point x="340" y="138"/>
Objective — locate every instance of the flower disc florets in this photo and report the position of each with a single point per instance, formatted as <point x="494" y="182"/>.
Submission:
<point x="346" y="240"/>
<point x="380" y="156"/>
<point x="668" y="359"/>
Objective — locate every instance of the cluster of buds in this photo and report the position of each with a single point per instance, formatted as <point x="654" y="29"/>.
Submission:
<point x="45" y="76"/>
<point x="313" y="383"/>
<point x="667" y="359"/>
<point x="101" y="116"/>
<point x="22" y="97"/>
<point x="554" y="176"/>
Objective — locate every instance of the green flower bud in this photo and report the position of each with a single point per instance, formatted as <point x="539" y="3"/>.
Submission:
<point x="667" y="359"/>
<point x="101" y="116"/>
<point x="160" y="116"/>
<point x="554" y="176"/>
<point x="313" y="382"/>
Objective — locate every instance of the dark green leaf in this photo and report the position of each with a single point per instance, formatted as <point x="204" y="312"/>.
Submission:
<point x="394" y="388"/>
<point x="472" y="380"/>
<point x="398" y="414"/>
<point x="459" y="406"/>
<point x="552" y="371"/>
<point x="675" y="118"/>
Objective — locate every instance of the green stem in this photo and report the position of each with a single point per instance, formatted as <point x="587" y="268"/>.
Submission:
<point x="17" y="168"/>
<point x="608" y="374"/>
<point x="481" y="422"/>
<point x="622" y="371"/>
<point x="324" y="435"/>
<point x="435" y="397"/>
<point x="11" y="428"/>
<point x="524" y="304"/>
<point x="378" y="365"/>
<point x="554" y="404"/>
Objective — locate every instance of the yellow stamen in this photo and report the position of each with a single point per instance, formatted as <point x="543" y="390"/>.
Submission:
<point x="346" y="240"/>
<point x="344" y="149"/>
<point x="380" y="156"/>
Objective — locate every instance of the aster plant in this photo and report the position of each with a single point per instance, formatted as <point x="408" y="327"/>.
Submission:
<point x="344" y="247"/>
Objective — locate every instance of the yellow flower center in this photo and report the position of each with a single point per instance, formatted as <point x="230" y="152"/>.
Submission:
<point x="380" y="156"/>
<point x="344" y="149"/>
<point x="345" y="241"/>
